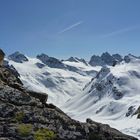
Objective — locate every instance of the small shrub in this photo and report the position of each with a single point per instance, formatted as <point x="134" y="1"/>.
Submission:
<point x="25" y="129"/>
<point x="44" y="134"/>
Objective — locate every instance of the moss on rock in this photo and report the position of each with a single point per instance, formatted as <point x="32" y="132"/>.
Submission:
<point x="44" y="134"/>
<point x="25" y="129"/>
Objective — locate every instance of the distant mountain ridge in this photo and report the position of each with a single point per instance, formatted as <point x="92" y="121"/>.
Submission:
<point x="111" y="60"/>
<point x="96" y="60"/>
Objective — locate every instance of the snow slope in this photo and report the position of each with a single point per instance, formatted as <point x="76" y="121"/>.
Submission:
<point x="112" y="97"/>
<point x="60" y="84"/>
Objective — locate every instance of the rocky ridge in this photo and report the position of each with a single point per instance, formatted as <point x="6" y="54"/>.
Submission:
<point x="110" y="60"/>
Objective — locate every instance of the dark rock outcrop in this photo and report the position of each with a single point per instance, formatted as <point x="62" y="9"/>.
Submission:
<point x="75" y="59"/>
<point x="137" y="112"/>
<point x="41" y="96"/>
<point x="128" y="58"/>
<point x="50" y="61"/>
<point x="111" y="60"/>
<point x="11" y="67"/>
<point x="117" y="57"/>
<point x="72" y="59"/>
<point x="24" y="115"/>
<point x="96" y="61"/>
<point x="2" y="55"/>
<point x="105" y="59"/>
<point x="40" y="65"/>
<point x="108" y="59"/>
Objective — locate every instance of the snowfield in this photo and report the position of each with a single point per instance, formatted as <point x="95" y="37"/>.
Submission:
<point x="105" y="94"/>
<point x="60" y="84"/>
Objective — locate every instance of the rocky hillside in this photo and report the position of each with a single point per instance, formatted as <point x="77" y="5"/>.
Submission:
<point x="25" y="115"/>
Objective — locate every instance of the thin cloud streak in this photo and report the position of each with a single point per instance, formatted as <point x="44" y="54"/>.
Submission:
<point x="118" y="32"/>
<point x="70" y="27"/>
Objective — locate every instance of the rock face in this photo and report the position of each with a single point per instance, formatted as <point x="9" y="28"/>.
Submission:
<point x="24" y="115"/>
<point x="2" y="54"/>
<point x="18" y="57"/>
<point x="105" y="59"/>
<point x="117" y="57"/>
<point x="137" y="112"/>
<point x="111" y="60"/>
<point x="108" y="59"/>
<point x="101" y="86"/>
<point x="72" y="59"/>
<point x="96" y="61"/>
<point x="129" y="58"/>
<point x="11" y="67"/>
<point x="50" y="61"/>
<point x="75" y="59"/>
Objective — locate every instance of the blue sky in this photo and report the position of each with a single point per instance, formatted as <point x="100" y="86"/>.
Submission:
<point x="64" y="28"/>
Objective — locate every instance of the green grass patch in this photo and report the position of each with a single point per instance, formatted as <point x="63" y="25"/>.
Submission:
<point x="25" y="129"/>
<point x="44" y="134"/>
<point x="19" y="116"/>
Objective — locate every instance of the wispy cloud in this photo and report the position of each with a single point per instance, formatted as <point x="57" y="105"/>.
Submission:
<point x="121" y="31"/>
<point x="70" y="27"/>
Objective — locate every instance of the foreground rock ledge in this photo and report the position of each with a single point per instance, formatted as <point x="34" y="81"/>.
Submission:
<point x="24" y="115"/>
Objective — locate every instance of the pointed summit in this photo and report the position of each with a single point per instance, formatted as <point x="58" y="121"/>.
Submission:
<point x="18" y="57"/>
<point x="76" y="59"/>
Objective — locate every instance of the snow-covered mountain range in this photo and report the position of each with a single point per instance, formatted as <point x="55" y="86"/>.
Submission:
<point x="105" y="89"/>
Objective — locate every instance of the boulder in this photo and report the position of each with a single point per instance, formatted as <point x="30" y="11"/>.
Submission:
<point x="41" y="96"/>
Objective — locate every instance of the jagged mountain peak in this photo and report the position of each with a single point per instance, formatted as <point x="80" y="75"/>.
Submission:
<point x="96" y="61"/>
<point x="118" y="57"/>
<point x="110" y="60"/>
<point x="104" y="59"/>
<point x="129" y="58"/>
<point x="50" y="61"/>
<point x="42" y="55"/>
<point x="76" y="59"/>
<point x="72" y="59"/>
<point x="18" y="57"/>
<point x="106" y="54"/>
